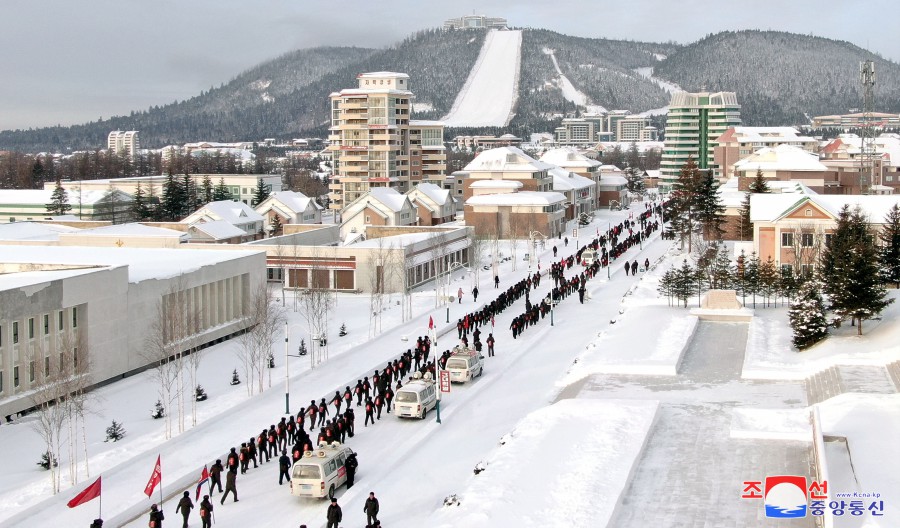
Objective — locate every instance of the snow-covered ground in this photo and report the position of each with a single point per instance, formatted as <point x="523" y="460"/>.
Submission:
<point x="770" y="356"/>
<point x="489" y="96"/>
<point x="569" y="91"/>
<point x="647" y="73"/>
<point x="560" y="466"/>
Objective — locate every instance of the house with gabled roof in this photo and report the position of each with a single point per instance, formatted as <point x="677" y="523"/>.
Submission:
<point x="793" y="228"/>
<point x="434" y="205"/>
<point x="381" y="206"/>
<point x="238" y="214"/>
<point x="291" y="208"/>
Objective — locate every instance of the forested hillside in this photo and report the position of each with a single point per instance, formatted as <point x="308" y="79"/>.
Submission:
<point x="781" y="77"/>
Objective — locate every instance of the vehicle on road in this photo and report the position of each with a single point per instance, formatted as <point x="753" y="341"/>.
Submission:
<point x="416" y="398"/>
<point x="464" y="364"/>
<point x="320" y="472"/>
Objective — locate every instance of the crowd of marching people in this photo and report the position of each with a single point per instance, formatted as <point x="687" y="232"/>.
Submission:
<point x="333" y="419"/>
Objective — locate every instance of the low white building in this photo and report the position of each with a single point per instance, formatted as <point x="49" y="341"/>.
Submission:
<point x="291" y="208"/>
<point x="98" y="306"/>
<point x="238" y="214"/>
<point x="26" y="205"/>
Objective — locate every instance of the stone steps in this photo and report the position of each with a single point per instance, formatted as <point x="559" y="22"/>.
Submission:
<point x="823" y="385"/>
<point x="838" y="379"/>
<point x="893" y="370"/>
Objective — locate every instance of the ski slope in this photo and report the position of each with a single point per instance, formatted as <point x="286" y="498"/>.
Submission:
<point x="489" y="96"/>
<point x="572" y="94"/>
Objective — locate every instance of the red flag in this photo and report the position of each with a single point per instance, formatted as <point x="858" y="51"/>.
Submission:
<point x="90" y="493"/>
<point x="155" y="478"/>
<point x="430" y="323"/>
<point x="204" y="478"/>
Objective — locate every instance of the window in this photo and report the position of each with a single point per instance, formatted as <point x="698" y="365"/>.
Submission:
<point x="74" y="317"/>
<point x="828" y="237"/>
<point x="46" y="324"/>
<point x="31" y="371"/>
<point x="368" y="219"/>
<point x="31" y="328"/>
<point x="15" y="376"/>
<point x="806" y="270"/>
<point x="47" y="366"/>
<point x="806" y="239"/>
<point x="787" y="270"/>
<point x="787" y="239"/>
<point x="75" y="357"/>
<point x="15" y="332"/>
<point x="1" y="381"/>
<point x="808" y="212"/>
<point x="60" y="317"/>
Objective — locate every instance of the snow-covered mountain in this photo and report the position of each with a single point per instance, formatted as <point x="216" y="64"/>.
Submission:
<point x="778" y="77"/>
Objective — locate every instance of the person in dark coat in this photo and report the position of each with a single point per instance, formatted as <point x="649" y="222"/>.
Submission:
<point x="334" y="515"/>
<point x="351" y="464"/>
<point x="349" y="417"/>
<point x="371" y="510"/>
<point x="284" y="466"/>
<point x="581" y="291"/>
<point x="206" y="509"/>
<point x="98" y="523"/>
<point x="185" y="505"/>
<point x="230" y="485"/>
<point x="233" y="460"/>
<point x="370" y="412"/>
<point x="475" y="294"/>
<point x="215" y="476"/>
<point x="634" y="266"/>
<point x="156" y="517"/>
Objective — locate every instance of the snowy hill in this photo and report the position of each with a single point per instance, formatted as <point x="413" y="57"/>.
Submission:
<point x="778" y="78"/>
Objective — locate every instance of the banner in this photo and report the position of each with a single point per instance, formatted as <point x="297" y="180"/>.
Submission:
<point x="204" y="478"/>
<point x="90" y="493"/>
<point x="155" y="478"/>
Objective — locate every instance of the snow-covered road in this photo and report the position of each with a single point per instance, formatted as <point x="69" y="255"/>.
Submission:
<point x="489" y="96"/>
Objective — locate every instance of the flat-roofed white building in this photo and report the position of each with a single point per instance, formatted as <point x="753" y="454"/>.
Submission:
<point x="96" y="305"/>
<point x="18" y="205"/>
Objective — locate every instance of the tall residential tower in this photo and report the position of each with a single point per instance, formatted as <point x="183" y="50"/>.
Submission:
<point x="694" y="122"/>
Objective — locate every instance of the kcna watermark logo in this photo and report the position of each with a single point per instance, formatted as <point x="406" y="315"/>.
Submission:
<point x="789" y="497"/>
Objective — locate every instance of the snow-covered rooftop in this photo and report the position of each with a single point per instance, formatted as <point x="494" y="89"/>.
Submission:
<point x="496" y="184"/>
<point x="133" y="229"/>
<point x="43" y="196"/>
<point x="33" y="231"/>
<point x="143" y="264"/>
<point x="519" y="198"/>
<point x="511" y="159"/>
<point x="297" y="202"/>
<point x="568" y="157"/>
<point x="748" y="134"/>
<point x="219" y="229"/>
<point x="437" y="194"/>
<point x="424" y="122"/>
<point x="230" y="211"/>
<point x="781" y="158"/>
<point x="564" y="180"/>
<point x="770" y="207"/>
<point x="612" y="180"/>
<point x="390" y="197"/>
<point x="732" y="197"/>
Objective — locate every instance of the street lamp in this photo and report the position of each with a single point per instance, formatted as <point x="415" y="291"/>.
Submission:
<point x="449" y="273"/>
<point x="533" y="235"/>
<point x="287" y="377"/>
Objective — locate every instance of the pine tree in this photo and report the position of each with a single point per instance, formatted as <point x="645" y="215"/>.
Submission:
<point x="221" y="192"/>
<point x="59" y="201"/>
<point x="172" y="203"/>
<point x="276" y="227"/>
<point x="682" y="282"/>
<point x="191" y="198"/>
<point x="206" y="190"/>
<point x="851" y="262"/>
<point x="115" y="432"/>
<point x="302" y="348"/>
<point x="200" y="393"/>
<point x="343" y="331"/>
<point x="768" y="278"/>
<point x="139" y="210"/>
<point x="235" y="380"/>
<point x="757" y="186"/>
<point x="710" y="210"/>
<point x="635" y="181"/>
<point x="261" y="193"/>
<point x="47" y="460"/>
<point x="682" y="211"/>
<point x="722" y="271"/>
<point x="751" y="281"/>
<point x="807" y="316"/>
<point x="889" y="253"/>
<point x="158" y="410"/>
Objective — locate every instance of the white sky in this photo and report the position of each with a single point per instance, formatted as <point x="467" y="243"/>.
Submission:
<point x="70" y="62"/>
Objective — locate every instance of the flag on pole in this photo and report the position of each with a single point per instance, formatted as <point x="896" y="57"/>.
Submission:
<point x="88" y="494"/>
<point x="492" y="321"/>
<point x="204" y="478"/>
<point x="430" y="323"/>
<point x="155" y="478"/>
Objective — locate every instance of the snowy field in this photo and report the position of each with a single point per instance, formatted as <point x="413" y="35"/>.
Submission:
<point x="489" y="95"/>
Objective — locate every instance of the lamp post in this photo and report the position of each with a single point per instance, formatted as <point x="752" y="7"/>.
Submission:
<point x="449" y="273"/>
<point x="287" y="377"/>
<point x="533" y="235"/>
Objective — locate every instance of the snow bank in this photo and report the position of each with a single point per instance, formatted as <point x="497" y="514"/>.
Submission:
<point x="770" y="355"/>
<point x="875" y="457"/>
<point x="563" y="465"/>
<point x="771" y="424"/>
<point x="489" y="96"/>
<point x="647" y="73"/>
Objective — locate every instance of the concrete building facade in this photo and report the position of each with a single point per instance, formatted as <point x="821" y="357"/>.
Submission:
<point x="127" y="143"/>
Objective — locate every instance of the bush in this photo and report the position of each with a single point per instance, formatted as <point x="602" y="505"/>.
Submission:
<point x="47" y="460"/>
<point x="158" y="410"/>
<point x="115" y="432"/>
<point x="200" y="394"/>
<point x="235" y="379"/>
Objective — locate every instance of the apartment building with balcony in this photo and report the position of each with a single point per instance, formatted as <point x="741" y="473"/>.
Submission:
<point x="374" y="144"/>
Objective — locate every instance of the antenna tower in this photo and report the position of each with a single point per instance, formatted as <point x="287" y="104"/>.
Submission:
<point x="867" y="145"/>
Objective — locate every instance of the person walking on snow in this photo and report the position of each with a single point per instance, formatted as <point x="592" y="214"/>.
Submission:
<point x="185" y="505"/>
<point x="156" y="517"/>
<point x="371" y="510"/>
<point x="215" y="476"/>
<point x="490" y="344"/>
<point x="230" y="485"/>
<point x="334" y="515"/>
<point x="460" y="294"/>
<point x="206" y="509"/>
<point x="284" y="464"/>
<point x="475" y="294"/>
<point x="634" y="266"/>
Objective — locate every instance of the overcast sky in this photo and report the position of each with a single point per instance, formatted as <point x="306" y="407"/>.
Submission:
<point x="67" y="62"/>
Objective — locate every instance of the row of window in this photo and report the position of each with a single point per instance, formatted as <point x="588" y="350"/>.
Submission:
<point x="32" y="370"/>
<point x="14" y="327"/>
<point x="806" y="239"/>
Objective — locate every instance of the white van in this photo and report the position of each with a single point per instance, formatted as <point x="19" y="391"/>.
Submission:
<point x="588" y="256"/>
<point x="464" y="364"/>
<point x="318" y="473"/>
<point x="416" y="398"/>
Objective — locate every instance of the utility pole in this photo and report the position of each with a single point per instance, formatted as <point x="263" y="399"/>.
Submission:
<point x="867" y="145"/>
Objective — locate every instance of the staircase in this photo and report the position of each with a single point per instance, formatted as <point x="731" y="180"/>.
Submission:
<point x="836" y="380"/>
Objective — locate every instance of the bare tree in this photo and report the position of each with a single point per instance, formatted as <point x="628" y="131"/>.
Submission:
<point x="195" y="353"/>
<point x="806" y="242"/>
<point x="317" y="300"/>
<point x="164" y="350"/>
<point x="379" y="268"/>
<point x="477" y="246"/>
<point x="264" y="319"/>
<point x="438" y="252"/>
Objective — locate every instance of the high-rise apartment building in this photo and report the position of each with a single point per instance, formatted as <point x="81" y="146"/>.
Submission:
<point x="375" y="144"/>
<point x="694" y="122"/>
<point x="124" y="142"/>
